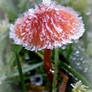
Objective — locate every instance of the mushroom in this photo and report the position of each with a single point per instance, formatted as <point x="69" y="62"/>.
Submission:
<point x="46" y="27"/>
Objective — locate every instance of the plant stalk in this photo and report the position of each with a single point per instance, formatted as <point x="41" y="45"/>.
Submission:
<point x="56" y="71"/>
<point x="20" y="72"/>
<point x="64" y="83"/>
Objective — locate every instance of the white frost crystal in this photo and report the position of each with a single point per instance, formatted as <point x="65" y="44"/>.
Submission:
<point x="48" y="26"/>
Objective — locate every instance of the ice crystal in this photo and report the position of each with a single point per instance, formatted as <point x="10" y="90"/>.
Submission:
<point x="49" y="26"/>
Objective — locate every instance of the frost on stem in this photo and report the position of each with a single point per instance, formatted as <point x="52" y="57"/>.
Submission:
<point x="47" y="26"/>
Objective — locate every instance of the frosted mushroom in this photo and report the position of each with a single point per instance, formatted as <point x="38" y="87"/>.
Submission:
<point x="47" y="26"/>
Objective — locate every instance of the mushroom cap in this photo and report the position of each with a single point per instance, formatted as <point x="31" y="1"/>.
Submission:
<point x="47" y="26"/>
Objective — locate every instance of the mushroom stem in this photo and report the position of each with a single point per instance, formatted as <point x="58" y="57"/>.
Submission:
<point x="64" y="83"/>
<point x="47" y="64"/>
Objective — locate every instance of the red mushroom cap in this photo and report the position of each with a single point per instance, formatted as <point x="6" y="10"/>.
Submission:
<point x="47" y="26"/>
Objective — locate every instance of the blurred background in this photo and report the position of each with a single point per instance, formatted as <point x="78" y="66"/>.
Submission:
<point x="78" y="54"/>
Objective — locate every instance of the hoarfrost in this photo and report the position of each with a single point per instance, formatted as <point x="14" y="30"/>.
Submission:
<point x="36" y="22"/>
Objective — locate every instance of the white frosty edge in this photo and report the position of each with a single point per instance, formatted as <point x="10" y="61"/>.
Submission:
<point x="32" y="48"/>
<point x="12" y="35"/>
<point x="50" y="4"/>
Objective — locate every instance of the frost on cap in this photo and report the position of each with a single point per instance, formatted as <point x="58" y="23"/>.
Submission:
<point x="47" y="26"/>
